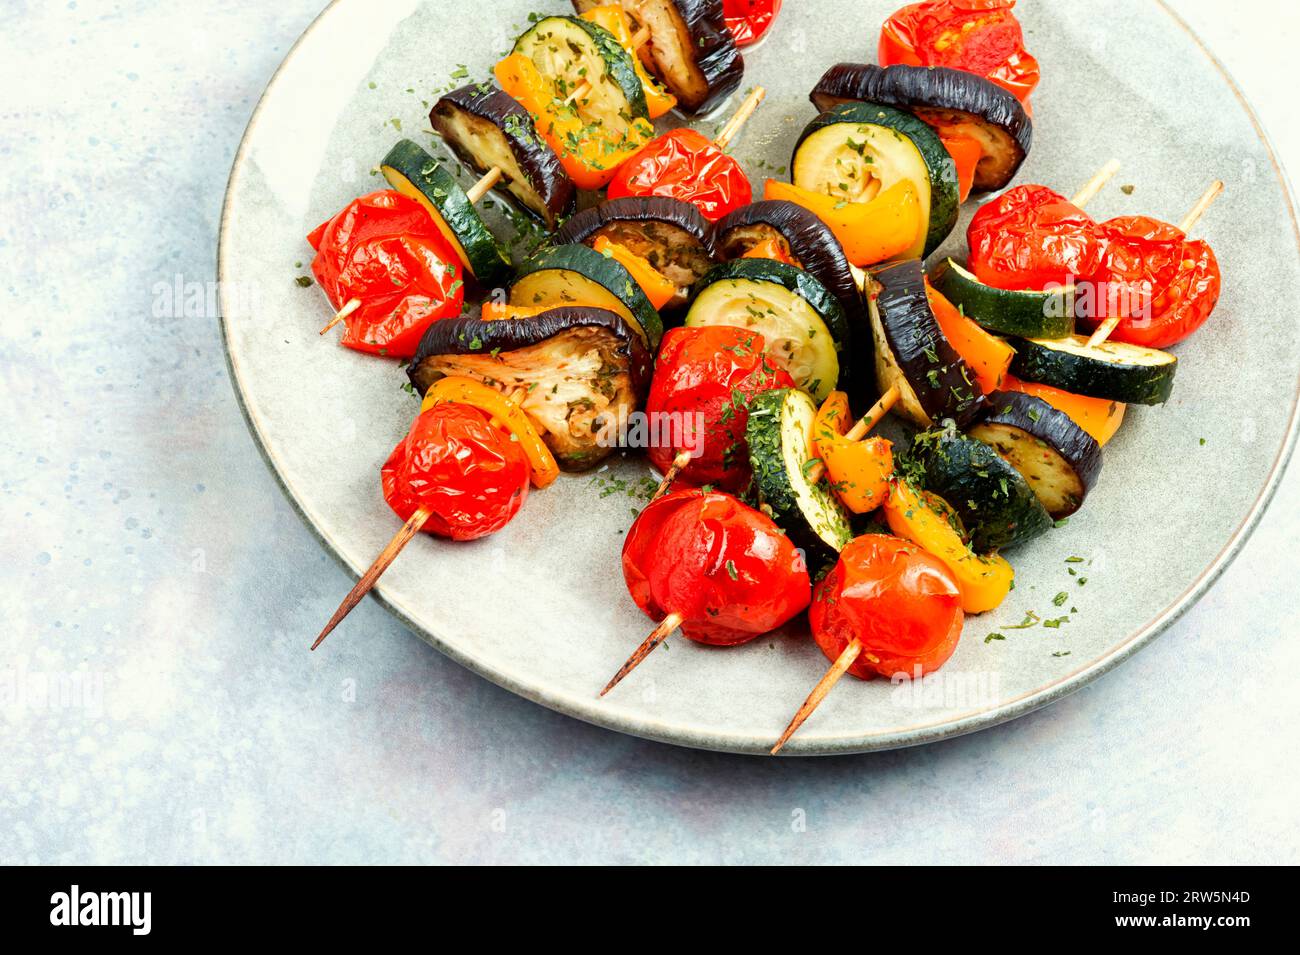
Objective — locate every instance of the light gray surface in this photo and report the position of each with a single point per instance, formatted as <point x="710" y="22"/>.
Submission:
<point x="155" y="552"/>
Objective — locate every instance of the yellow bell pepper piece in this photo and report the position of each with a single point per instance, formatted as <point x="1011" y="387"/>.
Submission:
<point x="870" y="232"/>
<point x="614" y="19"/>
<point x="858" y="471"/>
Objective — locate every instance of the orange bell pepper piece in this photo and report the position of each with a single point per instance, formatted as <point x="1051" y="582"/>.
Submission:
<point x="1100" y="417"/>
<point x="769" y="249"/>
<point x="495" y="311"/>
<point x="870" y="232"/>
<point x="988" y="356"/>
<point x="657" y="288"/>
<point x="589" y="154"/>
<point x="927" y="521"/>
<point x="965" y="153"/>
<point x="614" y="19"/>
<point x="504" y="414"/>
<point x="859" y="471"/>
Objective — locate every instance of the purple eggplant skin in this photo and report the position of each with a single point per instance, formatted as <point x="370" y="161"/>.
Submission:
<point x="940" y="96"/>
<point x="812" y="245"/>
<point x="547" y="192"/>
<point x="1079" y="450"/>
<point x="578" y="408"/>
<point x="692" y="29"/>
<point x="670" y="234"/>
<point x="943" y="382"/>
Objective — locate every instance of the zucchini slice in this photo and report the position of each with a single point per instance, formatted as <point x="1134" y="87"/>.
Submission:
<point x="413" y="172"/>
<point x="578" y="275"/>
<point x="1113" y="370"/>
<point x="952" y="101"/>
<point x="670" y="234"/>
<point x="1022" y="314"/>
<point x="486" y="127"/>
<point x="779" y="435"/>
<point x="570" y="52"/>
<point x="996" y="505"/>
<point x="583" y="370"/>
<point x="934" y="382"/>
<point x="804" y="325"/>
<point x="855" y="150"/>
<point x="801" y="235"/>
<point x="1059" y="459"/>
<point x="690" y="49"/>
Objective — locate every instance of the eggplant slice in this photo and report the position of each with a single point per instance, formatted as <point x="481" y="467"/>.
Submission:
<point x="583" y="371"/>
<point x="486" y="128"/>
<point x="690" y="49"/>
<point x="934" y="382"/>
<point x="670" y="234"/>
<point x="801" y="235"/>
<point x="952" y="100"/>
<point x="1058" y="459"/>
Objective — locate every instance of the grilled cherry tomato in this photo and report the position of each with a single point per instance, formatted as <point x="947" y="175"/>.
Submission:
<point x="1162" y="285"/>
<point x="699" y="400"/>
<point x="727" y="569"/>
<point x="900" y="601"/>
<point x="454" y="463"/>
<point x="978" y="36"/>
<point x="682" y="164"/>
<point x="1031" y="237"/>
<point x="749" y="20"/>
<point x="385" y="250"/>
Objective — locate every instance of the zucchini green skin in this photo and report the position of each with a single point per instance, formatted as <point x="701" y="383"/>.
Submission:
<point x="604" y="271"/>
<point x="487" y="261"/>
<point x="821" y="534"/>
<point x="996" y="505"/>
<point x="795" y="280"/>
<point x="944" y="202"/>
<point x="618" y="62"/>
<point x="1022" y="314"/>
<point x="1037" y="360"/>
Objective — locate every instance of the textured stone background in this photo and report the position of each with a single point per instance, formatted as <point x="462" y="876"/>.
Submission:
<point x="146" y="548"/>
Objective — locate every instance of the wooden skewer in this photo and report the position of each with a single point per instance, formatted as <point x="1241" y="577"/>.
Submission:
<point x="386" y="557"/>
<point x="739" y="118"/>
<point x="863" y="425"/>
<point x="682" y="459"/>
<point x="582" y="89"/>
<point x="352" y="305"/>
<point x="837" y="670"/>
<point x="480" y="188"/>
<point x="1103" y="331"/>
<point x="657" y="636"/>
<point x="1093" y="185"/>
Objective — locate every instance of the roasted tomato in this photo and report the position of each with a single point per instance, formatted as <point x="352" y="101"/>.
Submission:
<point x="1030" y="238"/>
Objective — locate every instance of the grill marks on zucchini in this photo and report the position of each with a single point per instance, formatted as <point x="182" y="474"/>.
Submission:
<point x="1116" y="371"/>
<point x="779" y="435"/>
<point x="1022" y="314"/>
<point x="934" y="382"/>
<point x="804" y="326"/>
<point x="1058" y="459"/>
<point x="414" y="173"/>
<point x="578" y="275"/>
<point x="486" y="127"/>
<point x="855" y="150"/>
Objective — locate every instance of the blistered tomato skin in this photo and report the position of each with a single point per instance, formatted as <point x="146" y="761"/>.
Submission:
<point x="704" y="378"/>
<point x="727" y="569"/>
<point x="750" y="20"/>
<point x="682" y="164"/>
<point x="462" y="469"/>
<point x="1031" y="238"/>
<point x="901" y="602"/>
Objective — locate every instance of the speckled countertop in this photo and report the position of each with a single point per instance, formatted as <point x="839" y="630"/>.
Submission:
<point x="156" y="578"/>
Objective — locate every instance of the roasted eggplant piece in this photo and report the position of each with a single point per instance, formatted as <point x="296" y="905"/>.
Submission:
<point x="799" y="234"/>
<point x="486" y="127"/>
<point x="996" y="505"/>
<point x="413" y="172"/>
<point x="1059" y="459"/>
<point x="583" y="370"/>
<point x="933" y="381"/>
<point x="670" y="234"/>
<point x="953" y="101"/>
<point x="577" y="275"/>
<point x="690" y="49"/>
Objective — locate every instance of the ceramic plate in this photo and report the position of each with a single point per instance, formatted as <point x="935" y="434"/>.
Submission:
<point x="541" y="609"/>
